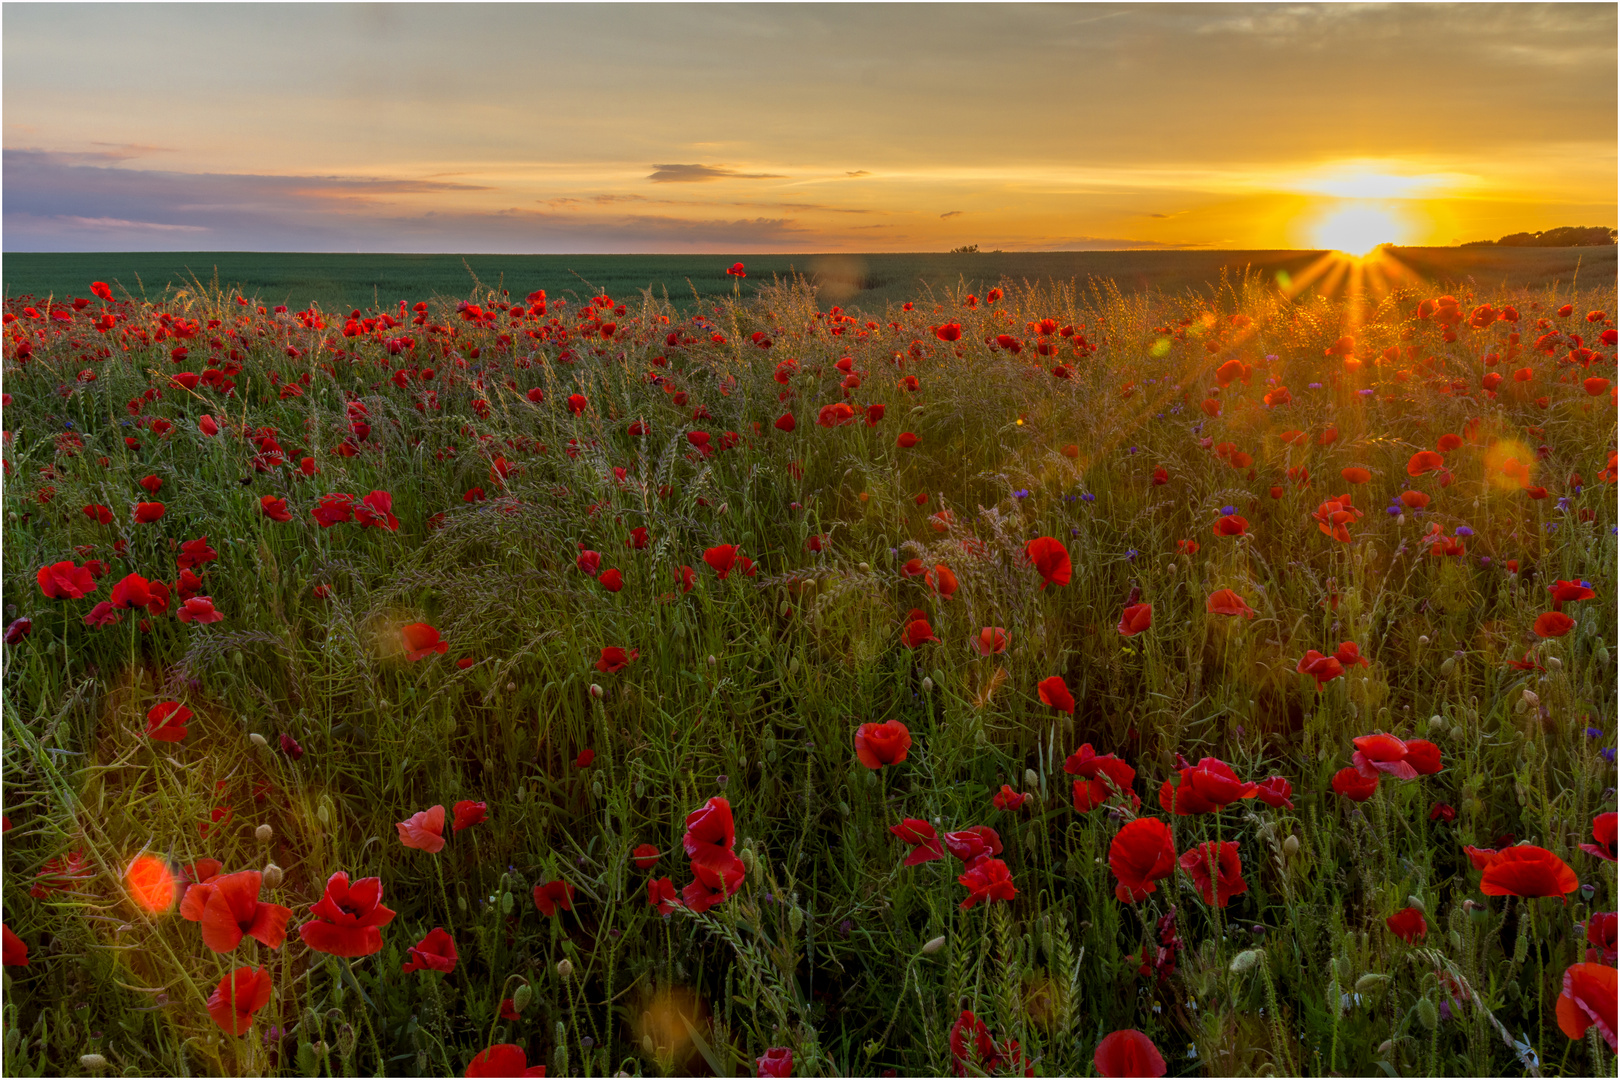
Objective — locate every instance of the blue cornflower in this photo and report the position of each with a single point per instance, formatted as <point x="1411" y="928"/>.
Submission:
<point x="1132" y="553"/>
<point x="1270" y="357"/>
<point x="1089" y="497"/>
<point x="1463" y="530"/>
<point x="1132" y="450"/>
<point x="1484" y="560"/>
<point x="1313" y="386"/>
<point x="1594" y="733"/>
<point x="1021" y="493"/>
<point x="1228" y="510"/>
<point x="1393" y="509"/>
<point x="1563" y="504"/>
<point x="1608" y="754"/>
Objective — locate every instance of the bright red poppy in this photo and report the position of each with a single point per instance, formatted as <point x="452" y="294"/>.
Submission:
<point x="435" y="952"/>
<point x="421" y="640"/>
<point x="553" y="896"/>
<point x="1276" y="792"/>
<point x="148" y="512"/>
<point x="1142" y="853"/>
<point x="1551" y="624"/>
<point x="237" y="997"/>
<point x="577" y="403"/>
<point x="1324" y="669"/>
<point x="1135" y="619"/>
<point x="1527" y="870"/>
<point x="989" y="641"/>
<point x="1128" y="1053"/>
<point x="347" y="918"/>
<point x="1055" y="694"/>
<point x="645" y="856"/>
<point x="877" y="745"/>
<point x="615" y="659"/>
<point x="917" y="632"/>
<point x="199" y="609"/>
<point x="924" y="841"/>
<point x="232" y="910"/>
<point x="941" y="580"/>
<point x="468" y="814"/>
<point x="1008" y="799"/>
<point x="1101" y="777"/>
<point x="611" y="580"/>
<point x="1050" y="559"/>
<point x="1355" y="785"/>
<point x="1603" y="831"/>
<point x="65" y="581"/>
<point x="1589" y="997"/>
<point x="661" y="895"/>
<point x="776" y="1062"/>
<point x="166" y="721"/>
<point x="1231" y="525"/>
<point x="1227" y="602"/>
<point x="986" y="880"/>
<point x="835" y="415"/>
<point x="275" y="509"/>
<point x="1348" y="654"/>
<point x="1565" y="592"/>
<point x="971" y="845"/>
<point x="722" y="559"/>
<point x="376" y="510"/>
<point x="503" y="1059"/>
<point x="1204" y="788"/>
<point x="1228" y="871"/>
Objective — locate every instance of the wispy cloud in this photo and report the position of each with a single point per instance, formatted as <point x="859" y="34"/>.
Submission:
<point x="952" y="213"/>
<point x="700" y="174"/>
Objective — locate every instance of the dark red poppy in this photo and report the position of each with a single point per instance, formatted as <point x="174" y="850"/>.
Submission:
<point x="1055" y="694"/>
<point x="166" y="721"/>
<point x="65" y="581"/>
<point x="877" y="745"/>
<point x="348" y="919"/>
<point x="1603" y="831"/>
<point x="1050" y="559"/>
<point x="986" y="880"/>
<point x="776" y="1062"/>
<point x="101" y="515"/>
<point x="949" y="332"/>
<point x="971" y="845"/>
<point x="969" y="1039"/>
<point x="1128" y="1053"/>
<point x="1008" y="799"/>
<point x="1142" y="853"/>
<point x="421" y="640"/>
<point x="275" y="509"/>
<point x="917" y="632"/>
<point x="722" y="559"/>
<point x="468" y="814"/>
<point x="435" y="952"/>
<point x="907" y="440"/>
<point x="1355" y="785"/>
<point x="611" y="580"/>
<point x="1527" y="870"/>
<point x="237" y="997"/>
<point x="685" y="577"/>
<point x="1603" y="934"/>
<point x="503" y="1059"/>
<point x="925" y="843"/>
<point x="586" y="756"/>
<point x="1407" y="924"/>
<point x="577" y="403"/>
<point x="232" y="910"/>
<point x="1227" y="867"/>
<point x="1553" y="624"/>
<point x="148" y="512"/>
<point x="290" y="747"/>
<point x="1324" y="669"/>
<point x="645" y="856"/>
<point x="15" y="949"/>
<point x="1135" y="619"/>
<point x="1276" y="792"/>
<point x="615" y="659"/>
<point x="662" y="896"/>
<point x="554" y="896"/>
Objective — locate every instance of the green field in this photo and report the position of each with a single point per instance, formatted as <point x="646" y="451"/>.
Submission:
<point x="869" y="282"/>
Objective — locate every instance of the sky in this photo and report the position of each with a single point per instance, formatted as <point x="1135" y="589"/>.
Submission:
<point x="719" y="128"/>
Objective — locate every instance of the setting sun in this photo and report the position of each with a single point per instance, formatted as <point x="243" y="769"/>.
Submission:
<point x="1358" y="228"/>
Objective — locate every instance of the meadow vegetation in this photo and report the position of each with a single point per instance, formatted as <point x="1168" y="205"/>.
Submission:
<point x="941" y="688"/>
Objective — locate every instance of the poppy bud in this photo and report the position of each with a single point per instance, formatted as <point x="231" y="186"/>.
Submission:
<point x="565" y="968"/>
<point x="722" y="510"/>
<point x="979" y="738"/>
<point x="93" y="1062"/>
<point x="640" y="788"/>
<point x="1456" y="732"/>
<point x="1370" y="982"/>
<point x="461" y="902"/>
<point x="793" y="664"/>
<point x="1436" y="723"/>
<point x="1449" y="668"/>
<point x="506" y="904"/>
<point x="1530" y="697"/>
<point x="1385" y="1047"/>
<point x="1554" y="664"/>
<point x="323" y="814"/>
<point x="647" y="1046"/>
<point x="796" y="918"/>
<point x="258" y="740"/>
<point x="596" y="692"/>
<point x="749" y="860"/>
<point x="1031" y="780"/>
<point x="511" y="687"/>
<point x="1244" y="960"/>
<point x="1423" y="639"/>
<point x="306" y="1059"/>
<point x="933" y="945"/>
<point x="520" y="998"/>
<point x="712" y="660"/>
<point x="596" y="788"/>
<point x="927" y="685"/>
<point x="1428" y="1016"/>
<point x="1291" y="846"/>
<point x="264" y="834"/>
<point x="272" y="876"/>
<point x="864" y="568"/>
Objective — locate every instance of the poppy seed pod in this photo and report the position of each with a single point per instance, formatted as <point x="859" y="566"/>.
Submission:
<point x="258" y="740"/>
<point x="927" y="685"/>
<point x="264" y="834"/>
<point x="933" y="945"/>
<point x="520" y="998"/>
<point x="1031" y="780"/>
<point x="272" y="876"/>
<point x="565" y="968"/>
<point x="1244" y="960"/>
<point x="1370" y="982"/>
<point x="1291" y="846"/>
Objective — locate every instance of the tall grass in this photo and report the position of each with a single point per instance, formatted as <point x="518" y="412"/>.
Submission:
<point x="752" y="687"/>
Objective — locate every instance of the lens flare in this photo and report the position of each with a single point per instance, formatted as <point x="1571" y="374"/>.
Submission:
<point x="150" y="883"/>
<point x="1357" y="228"/>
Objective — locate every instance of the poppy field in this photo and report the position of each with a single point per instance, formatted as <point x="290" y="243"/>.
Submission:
<point x="1042" y="682"/>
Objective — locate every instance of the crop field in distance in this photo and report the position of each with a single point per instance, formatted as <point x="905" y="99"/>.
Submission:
<point x="999" y="664"/>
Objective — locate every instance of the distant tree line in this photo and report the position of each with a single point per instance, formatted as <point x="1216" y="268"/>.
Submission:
<point x="1564" y="236"/>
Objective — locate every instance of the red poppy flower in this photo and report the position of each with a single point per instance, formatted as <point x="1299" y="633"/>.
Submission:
<point x="1424" y="461"/>
<point x="615" y="659"/>
<point x="1589" y="997"/>
<point x="1570" y="591"/>
<point x="1054" y="694"/>
<point x="101" y="515"/>
<point x="577" y="403"/>
<point x="1050" y="559"/>
<point x="989" y="641"/>
<point x="1101" y="777"/>
<point x="1008" y="799"/>
<point x="148" y="512"/>
<point x="1355" y="475"/>
<point x="1382" y="754"/>
<point x="586" y="756"/>
<point x="1424" y="756"/>
<point x="290" y="747"/>
<point x="785" y="422"/>
<point x="1228" y="868"/>
<point x="722" y="559"/>
<point x="710" y="825"/>
<point x="376" y="510"/>
<point x="645" y="856"/>
<point x="1142" y="853"/>
<point x="423" y="830"/>
<point x="971" y="845"/>
<point x="1207" y="787"/>
<point x="103" y="614"/>
<point x="1276" y="792"/>
<point x="949" y="332"/>
<point x="1135" y="619"/>
<point x="198" y="609"/>
<point x="917" y="632"/>
<point x="662" y="896"/>
<point x="1603" y="933"/>
<point x="1128" y="1053"/>
<point x="1407" y="924"/>
<point x="925" y="843"/>
<point x="554" y="896"/>
<point x="967" y="1027"/>
<point x="941" y="580"/>
<point x="1603" y="831"/>
<point x="1416" y="500"/>
<point x="1227" y="602"/>
<point x="686" y="577"/>
<point x="1527" y="870"/>
<point x="986" y="880"/>
<point x="65" y="581"/>
<point x="132" y="592"/>
<point x="1161" y="476"/>
<point x="420" y="640"/>
<point x="877" y="745"/>
<point x="1355" y="785"/>
<point x="232" y="910"/>
<point x="166" y="721"/>
<point x="835" y="415"/>
<point x="1231" y="525"/>
<point x="1348" y="654"/>
<point x="1442" y="812"/>
<point x="468" y="814"/>
<point x="503" y="1059"/>
<point x="777" y="1062"/>
<point x="1551" y="624"/>
<point x="15" y="950"/>
<point x="275" y="509"/>
<point x="237" y="997"/>
<point x="435" y="952"/>
<point x="611" y="580"/>
<point x="1324" y="669"/>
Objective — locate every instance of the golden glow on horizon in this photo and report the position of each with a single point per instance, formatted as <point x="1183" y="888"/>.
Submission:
<point x="1356" y="228"/>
